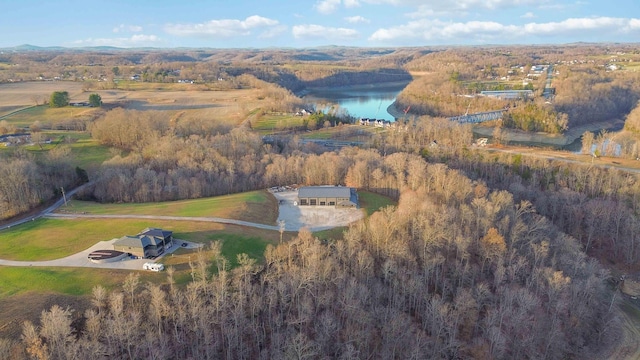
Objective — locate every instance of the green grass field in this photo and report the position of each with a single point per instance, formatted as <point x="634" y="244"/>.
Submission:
<point x="87" y="153"/>
<point x="68" y="281"/>
<point x="47" y="239"/>
<point x="372" y="202"/>
<point x="255" y="206"/>
<point x="50" y="116"/>
<point x="270" y="122"/>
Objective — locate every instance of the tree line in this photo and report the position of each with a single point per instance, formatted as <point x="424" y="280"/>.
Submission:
<point x="161" y="166"/>
<point x="27" y="181"/>
<point x="456" y="270"/>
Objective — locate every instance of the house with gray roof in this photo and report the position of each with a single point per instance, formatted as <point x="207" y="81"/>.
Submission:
<point x="337" y="196"/>
<point x="150" y="242"/>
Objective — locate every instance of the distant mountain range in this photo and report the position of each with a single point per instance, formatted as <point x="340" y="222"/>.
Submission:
<point x="28" y="47"/>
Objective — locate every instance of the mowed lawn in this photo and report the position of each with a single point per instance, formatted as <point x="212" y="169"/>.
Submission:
<point x="373" y="202"/>
<point x="68" y="281"/>
<point x="55" y="238"/>
<point x="255" y="206"/>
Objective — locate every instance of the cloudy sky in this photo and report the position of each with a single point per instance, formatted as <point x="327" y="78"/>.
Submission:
<point x="310" y="23"/>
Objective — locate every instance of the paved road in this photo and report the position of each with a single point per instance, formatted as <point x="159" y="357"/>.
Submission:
<point x="48" y="210"/>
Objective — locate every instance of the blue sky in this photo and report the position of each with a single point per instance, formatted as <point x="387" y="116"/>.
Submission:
<point x="300" y="23"/>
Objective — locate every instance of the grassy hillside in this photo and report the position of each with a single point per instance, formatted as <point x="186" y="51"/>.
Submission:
<point x="255" y="206"/>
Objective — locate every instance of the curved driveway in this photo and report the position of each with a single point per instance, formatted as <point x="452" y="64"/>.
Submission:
<point x="81" y="259"/>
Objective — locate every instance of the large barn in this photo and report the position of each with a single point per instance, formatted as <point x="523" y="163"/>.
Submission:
<point x="338" y="196"/>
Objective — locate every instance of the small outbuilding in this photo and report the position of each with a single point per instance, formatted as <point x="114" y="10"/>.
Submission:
<point x="338" y="196"/>
<point x="150" y="242"/>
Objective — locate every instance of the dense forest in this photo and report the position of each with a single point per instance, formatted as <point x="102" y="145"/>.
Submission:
<point x="27" y="181"/>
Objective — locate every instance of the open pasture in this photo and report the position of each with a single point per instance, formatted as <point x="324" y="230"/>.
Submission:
<point x="255" y="206"/>
<point x="269" y="123"/>
<point x="234" y="105"/>
<point x="51" y="117"/>
<point x="23" y="94"/>
<point x="231" y="106"/>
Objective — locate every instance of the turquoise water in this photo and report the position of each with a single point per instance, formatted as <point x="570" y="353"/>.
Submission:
<point x="362" y="102"/>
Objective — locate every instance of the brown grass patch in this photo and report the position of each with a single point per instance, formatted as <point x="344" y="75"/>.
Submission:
<point x="23" y="93"/>
<point x="29" y="306"/>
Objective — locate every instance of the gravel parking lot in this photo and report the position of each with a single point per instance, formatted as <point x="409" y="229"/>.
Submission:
<point x="314" y="218"/>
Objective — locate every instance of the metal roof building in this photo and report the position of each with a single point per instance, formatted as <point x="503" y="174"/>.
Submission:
<point x="338" y="196"/>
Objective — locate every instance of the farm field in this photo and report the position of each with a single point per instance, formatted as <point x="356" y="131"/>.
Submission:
<point x="51" y="117"/>
<point x="255" y="206"/>
<point x="23" y="94"/>
<point x="179" y="99"/>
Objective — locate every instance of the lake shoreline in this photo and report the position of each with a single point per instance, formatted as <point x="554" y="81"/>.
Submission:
<point x="376" y="86"/>
<point x="359" y="101"/>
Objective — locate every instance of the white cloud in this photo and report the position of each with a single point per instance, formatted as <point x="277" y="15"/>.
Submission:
<point x="139" y="40"/>
<point x="327" y="6"/>
<point x="450" y="5"/>
<point x="576" y="24"/>
<point x="330" y="6"/>
<point x="490" y="31"/>
<point x="528" y="15"/>
<point x="351" y="3"/>
<point x="322" y="32"/>
<point x="223" y="27"/>
<point x="356" y="19"/>
<point x="125" y="28"/>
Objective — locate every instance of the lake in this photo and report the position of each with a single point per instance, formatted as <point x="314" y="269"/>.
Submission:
<point x="370" y="101"/>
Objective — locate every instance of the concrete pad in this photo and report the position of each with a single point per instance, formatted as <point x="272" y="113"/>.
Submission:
<point x="314" y="218"/>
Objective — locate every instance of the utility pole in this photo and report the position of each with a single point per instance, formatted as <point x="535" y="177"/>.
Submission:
<point x="281" y="223"/>
<point x="64" y="196"/>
